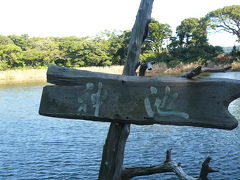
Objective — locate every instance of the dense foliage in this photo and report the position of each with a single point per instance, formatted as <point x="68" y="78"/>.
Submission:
<point x="190" y="44"/>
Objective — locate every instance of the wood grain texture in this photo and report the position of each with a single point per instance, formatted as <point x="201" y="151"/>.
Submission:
<point x="113" y="150"/>
<point x="139" y="100"/>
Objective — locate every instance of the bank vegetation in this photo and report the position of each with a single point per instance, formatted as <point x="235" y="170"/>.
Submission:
<point x="174" y="52"/>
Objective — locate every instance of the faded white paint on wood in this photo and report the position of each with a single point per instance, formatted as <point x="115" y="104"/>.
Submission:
<point x="139" y="100"/>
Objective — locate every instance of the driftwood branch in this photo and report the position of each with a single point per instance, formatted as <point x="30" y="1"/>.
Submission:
<point x="145" y="66"/>
<point x="197" y="71"/>
<point x="206" y="169"/>
<point x="216" y="69"/>
<point x="167" y="166"/>
<point x="139" y="31"/>
<point x="113" y="150"/>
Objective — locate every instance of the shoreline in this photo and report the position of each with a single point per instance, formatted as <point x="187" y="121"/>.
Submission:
<point x="23" y="76"/>
<point x="38" y="76"/>
<point x="30" y="76"/>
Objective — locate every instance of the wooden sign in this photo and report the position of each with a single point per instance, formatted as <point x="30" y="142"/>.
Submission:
<point x="139" y="100"/>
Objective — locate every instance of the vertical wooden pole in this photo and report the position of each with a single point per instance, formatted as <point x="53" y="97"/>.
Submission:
<point x="134" y="47"/>
<point x="113" y="150"/>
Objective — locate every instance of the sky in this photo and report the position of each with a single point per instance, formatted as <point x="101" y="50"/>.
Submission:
<point x="44" y="18"/>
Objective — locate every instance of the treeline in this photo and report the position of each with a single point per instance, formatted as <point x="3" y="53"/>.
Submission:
<point x="22" y="51"/>
<point x="190" y="44"/>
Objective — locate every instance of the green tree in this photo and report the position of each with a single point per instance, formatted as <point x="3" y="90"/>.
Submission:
<point x="21" y="41"/>
<point x="185" y="30"/>
<point x="121" y="42"/>
<point x="158" y="35"/>
<point x="235" y="52"/>
<point x="191" y="43"/>
<point x="192" y="31"/>
<point x="47" y="49"/>
<point x="11" y="56"/>
<point x="67" y="47"/>
<point x="117" y="45"/>
<point x="34" y="58"/>
<point x="226" y="19"/>
<point x="86" y="52"/>
<point x="199" y="35"/>
<point x="44" y="44"/>
<point x="97" y="52"/>
<point x="4" y="40"/>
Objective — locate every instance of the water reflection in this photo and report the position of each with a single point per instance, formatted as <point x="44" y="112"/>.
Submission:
<point x="229" y="75"/>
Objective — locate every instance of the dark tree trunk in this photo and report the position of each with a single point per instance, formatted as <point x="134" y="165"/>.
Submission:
<point x="113" y="151"/>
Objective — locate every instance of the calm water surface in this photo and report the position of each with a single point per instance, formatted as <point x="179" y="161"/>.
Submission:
<point x="37" y="147"/>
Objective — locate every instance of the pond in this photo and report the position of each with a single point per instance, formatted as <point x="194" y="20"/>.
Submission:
<point x="38" y="147"/>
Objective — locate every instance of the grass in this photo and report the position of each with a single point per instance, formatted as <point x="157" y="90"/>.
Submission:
<point x="39" y="75"/>
<point x="162" y="69"/>
<point x="22" y="76"/>
<point x="236" y="66"/>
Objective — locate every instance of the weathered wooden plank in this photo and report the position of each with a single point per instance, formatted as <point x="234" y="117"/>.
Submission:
<point x="139" y="100"/>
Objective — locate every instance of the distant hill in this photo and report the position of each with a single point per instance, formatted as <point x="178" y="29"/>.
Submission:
<point x="229" y="48"/>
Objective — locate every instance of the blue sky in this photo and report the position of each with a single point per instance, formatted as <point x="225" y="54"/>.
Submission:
<point x="89" y="17"/>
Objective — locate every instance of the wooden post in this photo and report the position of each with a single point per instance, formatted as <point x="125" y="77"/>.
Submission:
<point x="113" y="150"/>
<point x="134" y="48"/>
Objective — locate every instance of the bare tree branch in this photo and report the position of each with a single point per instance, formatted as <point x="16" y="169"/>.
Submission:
<point x="113" y="150"/>
<point x="144" y="66"/>
<point x="195" y="72"/>
<point x="167" y="166"/>
<point x="216" y="69"/>
<point x="206" y="169"/>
